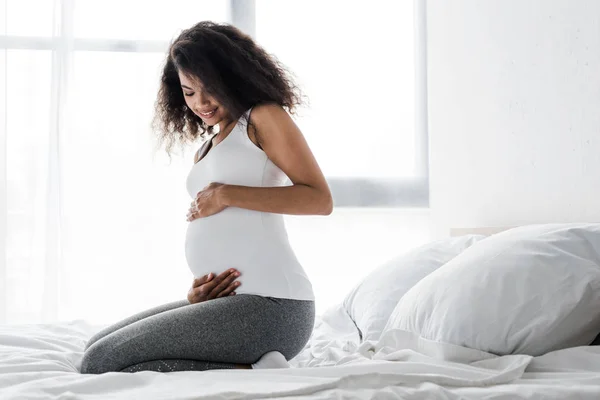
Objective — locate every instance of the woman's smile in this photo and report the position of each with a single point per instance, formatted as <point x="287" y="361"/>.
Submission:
<point x="208" y="114"/>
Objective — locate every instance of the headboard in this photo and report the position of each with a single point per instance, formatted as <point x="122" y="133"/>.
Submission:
<point x="489" y="230"/>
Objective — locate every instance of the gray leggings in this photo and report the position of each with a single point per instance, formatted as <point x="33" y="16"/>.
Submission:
<point x="214" y="334"/>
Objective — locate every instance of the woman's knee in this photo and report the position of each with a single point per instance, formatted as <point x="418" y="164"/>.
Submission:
<point x="94" y="339"/>
<point x="94" y="360"/>
<point x="103" y="356"/>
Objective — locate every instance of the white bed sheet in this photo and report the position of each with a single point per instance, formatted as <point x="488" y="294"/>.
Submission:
<point x="41" y="361"/>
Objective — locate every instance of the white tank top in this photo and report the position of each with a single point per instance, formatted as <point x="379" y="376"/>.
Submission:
<point x="255" y="243"/>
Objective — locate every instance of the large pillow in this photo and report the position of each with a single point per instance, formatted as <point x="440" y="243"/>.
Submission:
<point x="372" y="301"/>
<point x="529" y="290"/>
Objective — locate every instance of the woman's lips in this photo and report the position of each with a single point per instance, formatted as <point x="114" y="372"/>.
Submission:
<point x="209" y="114"/>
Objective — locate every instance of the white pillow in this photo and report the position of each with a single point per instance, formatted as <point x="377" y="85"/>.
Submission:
<point x="529" y="290"/>
<point x="372" y="301"/>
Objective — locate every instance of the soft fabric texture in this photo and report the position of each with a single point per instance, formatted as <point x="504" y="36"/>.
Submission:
<point x="528" y="290"/>
<point x="215" y="334"/>
<point x="41" y="361"/>
<point x="253" y="242"/>
<point x="372" y="301"/>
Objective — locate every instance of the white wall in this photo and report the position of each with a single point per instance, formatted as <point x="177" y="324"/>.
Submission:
<point x="339" y="250"/>
<point x="514" y="112"/>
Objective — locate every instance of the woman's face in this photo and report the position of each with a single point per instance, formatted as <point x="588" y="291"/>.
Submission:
<point x="201" y="103"/>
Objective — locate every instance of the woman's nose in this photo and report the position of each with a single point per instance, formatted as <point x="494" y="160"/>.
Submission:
<point x="202" y="100"/>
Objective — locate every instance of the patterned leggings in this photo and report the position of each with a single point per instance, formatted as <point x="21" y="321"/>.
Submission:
<point x="214" y="334"/>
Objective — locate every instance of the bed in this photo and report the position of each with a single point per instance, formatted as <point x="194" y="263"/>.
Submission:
<point x="41" y="361"/>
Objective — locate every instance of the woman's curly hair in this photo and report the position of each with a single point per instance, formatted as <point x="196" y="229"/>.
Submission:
<point x="233" y="69"/>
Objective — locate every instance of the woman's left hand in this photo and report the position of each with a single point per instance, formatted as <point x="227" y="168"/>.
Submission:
<point x="207" y="202"/>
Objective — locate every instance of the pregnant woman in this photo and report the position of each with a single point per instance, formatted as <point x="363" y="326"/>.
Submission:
<point x="216" y="76"/>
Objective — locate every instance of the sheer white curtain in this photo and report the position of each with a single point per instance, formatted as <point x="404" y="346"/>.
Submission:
<point x="95" y="216"/>
<point x="92" y="216"/>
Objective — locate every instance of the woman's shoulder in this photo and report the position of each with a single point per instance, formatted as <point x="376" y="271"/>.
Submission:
<point x="267" y="120"/>
<point x="267" y="113"/>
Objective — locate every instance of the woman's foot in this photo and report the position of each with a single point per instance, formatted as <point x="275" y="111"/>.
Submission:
<point x="272" y="359"/>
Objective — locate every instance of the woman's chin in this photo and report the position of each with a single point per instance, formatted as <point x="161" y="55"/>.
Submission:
<point x="211" y="121"/>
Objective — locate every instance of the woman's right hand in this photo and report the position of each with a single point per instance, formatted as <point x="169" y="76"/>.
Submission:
<point x="210" y="287"/>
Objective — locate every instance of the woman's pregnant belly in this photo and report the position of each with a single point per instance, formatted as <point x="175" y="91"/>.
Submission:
<point x="213" y="243"/>
<point x="238" y="238"/>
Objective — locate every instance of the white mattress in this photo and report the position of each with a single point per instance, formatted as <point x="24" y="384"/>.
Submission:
<point x="42" y="362"/>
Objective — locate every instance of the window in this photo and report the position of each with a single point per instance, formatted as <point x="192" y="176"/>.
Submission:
<point x="363" y="73"/>
<point x="78" y="80"/>
<point x="75" y="77"/>
<point x="361" y="65"/>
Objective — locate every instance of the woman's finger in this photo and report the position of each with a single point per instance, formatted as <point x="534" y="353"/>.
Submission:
<point x="218" y="289"/>
<point x="191" y="214"/>
<point x="202" y="280"/>
<point x="223" y="284"/>
<point x="206" y="291"/>
<point x="225" y="274"/>
<point x="229" y="289"/>
<point x="210" y="286"/>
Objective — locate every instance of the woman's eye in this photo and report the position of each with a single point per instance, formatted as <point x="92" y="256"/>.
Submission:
<point x="189" y="94"/>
